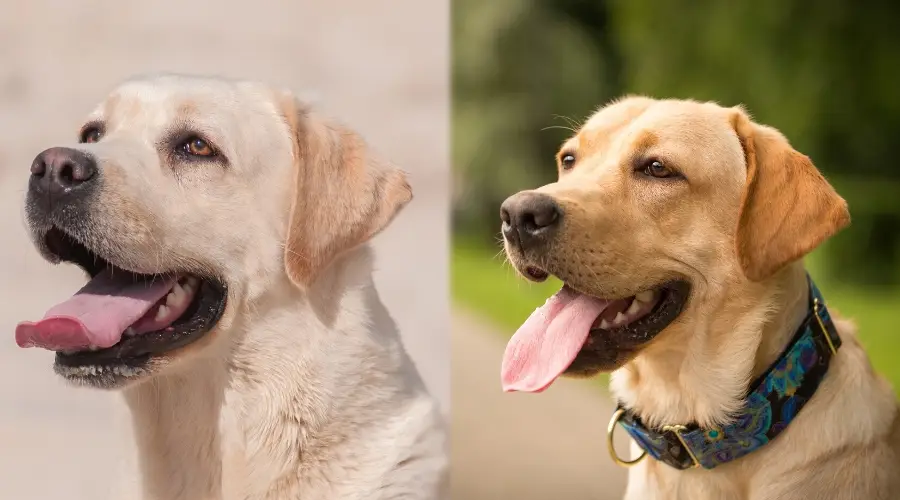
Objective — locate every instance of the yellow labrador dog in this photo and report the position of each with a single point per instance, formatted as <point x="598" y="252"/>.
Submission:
<point x="678" y="228"/>
<point x="224" y="228"/>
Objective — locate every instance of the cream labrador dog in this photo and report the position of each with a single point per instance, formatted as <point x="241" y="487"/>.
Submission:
<point x="678" y="228"/>
<point x="224" y="227"/>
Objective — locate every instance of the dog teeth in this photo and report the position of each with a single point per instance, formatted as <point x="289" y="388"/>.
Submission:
<point x="162" y="312"/>
<point x="619" y="319"/>
<point x="181" y="292"/>
<point x="645" y="296"/>
<point x="604" y="324"/>
<point x="190" y="285"/>
<point x="129" y="332"/>
<point x="176" y="296"/>
<point x="634" y="307"/>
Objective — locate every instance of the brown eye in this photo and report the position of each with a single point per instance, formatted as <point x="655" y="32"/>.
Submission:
<point x="91" y="134"/>
<point x="196" y="146"/>
<point x="658" y="170"/>
<point x="567" y="161"/>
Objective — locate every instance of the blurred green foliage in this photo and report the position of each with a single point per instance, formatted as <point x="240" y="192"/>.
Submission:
<point x="824" y="73"/>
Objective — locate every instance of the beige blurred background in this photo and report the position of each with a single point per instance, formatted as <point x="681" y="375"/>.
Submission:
<point x="379" y="66"/>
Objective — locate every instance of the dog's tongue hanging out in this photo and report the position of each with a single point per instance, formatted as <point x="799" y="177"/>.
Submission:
<point x="547" y="343"/>
<point x="98" y="314"/>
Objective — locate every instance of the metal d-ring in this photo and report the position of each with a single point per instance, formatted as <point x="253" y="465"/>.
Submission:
<point x="610" y="430"/>
<point x="816" y="306"/>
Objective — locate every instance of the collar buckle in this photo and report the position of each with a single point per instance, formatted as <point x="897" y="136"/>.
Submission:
<point x="677" y="430"/>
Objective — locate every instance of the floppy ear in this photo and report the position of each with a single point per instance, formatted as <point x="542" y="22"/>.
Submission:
<point x="342" y="196"/>
<point x="787" y="209"/>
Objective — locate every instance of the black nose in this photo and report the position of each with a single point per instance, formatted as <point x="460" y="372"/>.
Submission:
<point x="529" y="218"/>
<point x="62" y="174"/>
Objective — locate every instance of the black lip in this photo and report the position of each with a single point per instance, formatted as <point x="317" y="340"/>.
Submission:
<point x="135" y="352"/>
<point x="607" y="350"/>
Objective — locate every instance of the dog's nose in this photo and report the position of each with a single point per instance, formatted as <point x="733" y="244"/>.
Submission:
<point x="529" y="218"/>
<point x="62" y="174"/>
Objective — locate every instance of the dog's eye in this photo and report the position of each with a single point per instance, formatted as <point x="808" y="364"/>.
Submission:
<point x="90" y="134"/>
<point x="656" y="169"/>
<point x="567" y="161"/>
<point x="196" y="146"/>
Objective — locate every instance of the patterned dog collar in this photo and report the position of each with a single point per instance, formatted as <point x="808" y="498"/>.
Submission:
<point x="775" y="399"/>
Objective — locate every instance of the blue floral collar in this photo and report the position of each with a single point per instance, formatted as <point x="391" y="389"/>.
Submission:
<point x="774" y="400"/>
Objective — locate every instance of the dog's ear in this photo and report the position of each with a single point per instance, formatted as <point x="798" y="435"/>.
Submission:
<point x="787" y="208"/>
<point x="342" y="195"/>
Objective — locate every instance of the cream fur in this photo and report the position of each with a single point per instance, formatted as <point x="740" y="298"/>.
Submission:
<point x="303" y="389"/>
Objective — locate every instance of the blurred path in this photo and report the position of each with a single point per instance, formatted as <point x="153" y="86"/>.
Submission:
<point x="544" y="446"/>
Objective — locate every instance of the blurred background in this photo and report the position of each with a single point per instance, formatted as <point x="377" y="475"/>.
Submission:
<point x="381" y="70"/>
<point x="524" y="71"/>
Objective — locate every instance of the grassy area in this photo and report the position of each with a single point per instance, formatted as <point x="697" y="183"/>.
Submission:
<point x="482" y="282"/>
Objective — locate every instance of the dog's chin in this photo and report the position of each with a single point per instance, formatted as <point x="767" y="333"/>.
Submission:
<point x="129" y="373"/>
<point x="138" y="356"/>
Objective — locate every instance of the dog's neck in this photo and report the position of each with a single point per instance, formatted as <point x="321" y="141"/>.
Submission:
<point x="705" y="366"/>
<point x="171" y="415"/>
<point x="288" y="365"/>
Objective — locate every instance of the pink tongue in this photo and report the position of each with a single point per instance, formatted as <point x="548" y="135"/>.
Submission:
<point x="96" y="316"/>
<point x="547" y="343"/>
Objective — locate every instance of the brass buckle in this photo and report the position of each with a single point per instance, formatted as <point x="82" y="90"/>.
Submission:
<point x="816" y="305"/>
<point x="609" y="442"/>
<point x="677" y="430"/>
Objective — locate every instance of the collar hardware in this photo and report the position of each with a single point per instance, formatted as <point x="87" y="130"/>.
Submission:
<point x="677" y="430"/>
<point x="816" y="311"/>
<point x="773" y="401"/>
<point x="610" y="430"/>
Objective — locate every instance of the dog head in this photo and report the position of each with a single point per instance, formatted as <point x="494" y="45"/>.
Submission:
<point x="658" y="202"/>
<point x="184" y="199"/>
